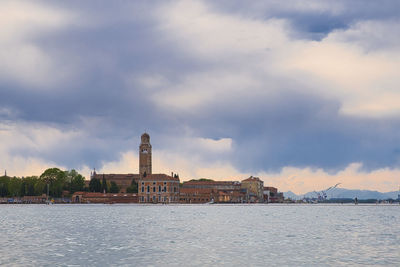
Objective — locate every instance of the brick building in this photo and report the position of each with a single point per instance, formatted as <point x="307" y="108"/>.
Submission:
<point x="95" y="197"/>
<point x="219" y="185"/>
<point x="197" y="195"/>
<point x="204" y="191"/>
<point x="158" y="188"/>
<point x="123" y="181"/>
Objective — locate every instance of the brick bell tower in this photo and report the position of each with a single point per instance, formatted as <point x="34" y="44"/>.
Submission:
<point x="145" y="156"/>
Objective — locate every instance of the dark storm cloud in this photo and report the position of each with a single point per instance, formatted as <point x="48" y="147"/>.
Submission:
<point x="314" y="19"/>
<point x="302" y="130"/>
<point x="124" y="41"/>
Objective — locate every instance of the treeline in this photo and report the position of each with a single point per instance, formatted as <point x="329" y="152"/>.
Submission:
<point x="53" y="180"/>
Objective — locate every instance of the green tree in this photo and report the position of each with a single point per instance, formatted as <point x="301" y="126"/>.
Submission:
<point x="95" y="185"/>
<point x="114" y="187"/>
<point x="4" y="182"/>
<point x="75" y="181"/>
<point x="56" y="180"/>
<point x="104" y="185"/>
<point x="14" y="187"/>
<point x="40" y="187"/>
<point x="28" y="185"/>
<point x="133" y="188"/>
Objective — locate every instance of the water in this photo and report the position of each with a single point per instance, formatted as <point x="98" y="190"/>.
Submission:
<point x="199" y="235"/>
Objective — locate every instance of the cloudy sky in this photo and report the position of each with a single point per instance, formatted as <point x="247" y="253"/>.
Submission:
<point x="303" y="94"/>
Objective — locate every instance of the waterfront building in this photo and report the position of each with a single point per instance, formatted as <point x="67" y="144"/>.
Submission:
<point x="197" y="195"/>
<point x="255" y="189"/>
<point x="96" y="197"/>
<point x="159" y="188"/>
<point x="123" y="181"/>
<point x="206" y="190"/>
<point x="205" y="183"/>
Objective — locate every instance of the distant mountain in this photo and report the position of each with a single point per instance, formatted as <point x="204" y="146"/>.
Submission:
<point x="346" y="193"/>
<point x="291" y="195"/>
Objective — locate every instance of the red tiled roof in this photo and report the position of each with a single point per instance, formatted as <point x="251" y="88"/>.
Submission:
<point x="159" y="177"/>
<point x="210" y="183"/>
<point x="116" y="176"/>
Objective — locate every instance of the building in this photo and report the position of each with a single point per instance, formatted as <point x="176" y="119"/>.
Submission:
<point x="152" y="188"/>
<point x="95" y="197"/>
<point x="205" y="183"/>
<point x="158" y="188"/>
<point x="205" y="190"/>
<point x="197" y="195"/>
<point x="232" y="196"/>
<point x="255" y="189"/>
<point x="123" y="181"/>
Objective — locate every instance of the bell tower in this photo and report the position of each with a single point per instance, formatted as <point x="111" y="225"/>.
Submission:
<point x="145" y="156"/>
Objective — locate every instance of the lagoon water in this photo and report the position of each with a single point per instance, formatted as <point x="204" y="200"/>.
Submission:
<point x="199" y="235"/>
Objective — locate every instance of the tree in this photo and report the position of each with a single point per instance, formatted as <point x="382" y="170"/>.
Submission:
<point x="55" y="179"/>
<point x="28" y="185"/>
<point x="114" y="187"/>
<point x="95" y="185"/>
<point x="4" y="182"/>
<point x="40" y="187"/>
<point x="133" y="188"/>
<point x="75" y="181"/>
<point x="104" y="185"/>
<point x="14" y="187"/>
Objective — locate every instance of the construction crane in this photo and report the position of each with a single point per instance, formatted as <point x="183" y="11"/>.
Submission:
<point x="322" y="195"/>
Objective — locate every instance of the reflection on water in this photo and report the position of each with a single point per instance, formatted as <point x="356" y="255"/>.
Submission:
<point x="256" y="235"/>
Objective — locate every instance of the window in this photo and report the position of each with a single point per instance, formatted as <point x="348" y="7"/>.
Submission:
<point x="148" y="198"/>
<point x="174" y="189"/>
<point x="154" y="183"/>
<point x="142" y="199"/>
<point x="142" y="188"/>
<point x="159" y="188"/>
<point x="148" y="189"/>
<point x="159" y="198"/>
<point x="142" y="183"/>
<point x="154" y="189"/>
<point x="165" y="189"/>
<point x="154" y="198"/>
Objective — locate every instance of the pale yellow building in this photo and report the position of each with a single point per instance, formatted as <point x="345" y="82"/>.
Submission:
<point x="255" y="189"/>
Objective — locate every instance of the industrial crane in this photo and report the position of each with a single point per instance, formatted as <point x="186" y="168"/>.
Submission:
<point x="322" y="195"/>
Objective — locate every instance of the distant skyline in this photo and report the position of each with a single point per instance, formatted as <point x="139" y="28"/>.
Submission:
<point x="303" y="94"/>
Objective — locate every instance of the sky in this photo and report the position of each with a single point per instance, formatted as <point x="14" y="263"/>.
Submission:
<point x="303" y="94"/>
